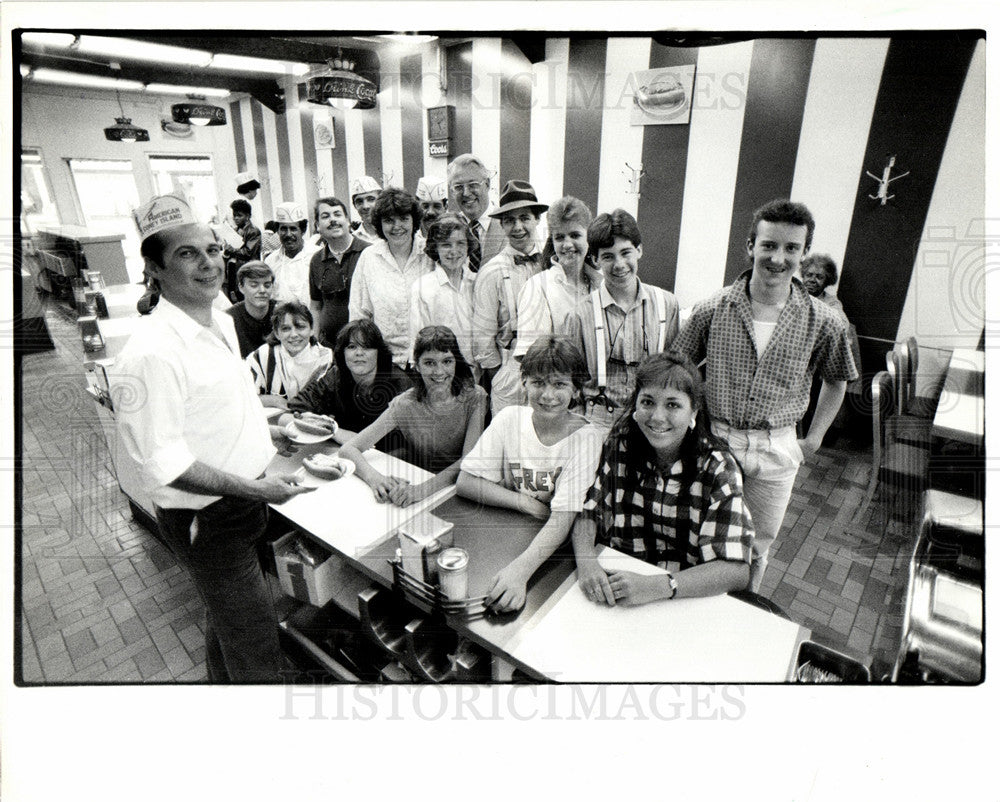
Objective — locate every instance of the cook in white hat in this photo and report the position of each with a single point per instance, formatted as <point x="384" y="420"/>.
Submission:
<point x="247" y="185"/>
<point x="432" y="195"/>
<point x="291" y="224"/>
<point x="364" y="190"/>
<point x="161" y="221"/>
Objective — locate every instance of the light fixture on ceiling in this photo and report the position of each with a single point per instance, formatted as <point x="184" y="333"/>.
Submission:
<point x="198" y="113"/>
<point x="123" y="130"/>
<point x="339" y="86"/>
<point x="408" y="38"/>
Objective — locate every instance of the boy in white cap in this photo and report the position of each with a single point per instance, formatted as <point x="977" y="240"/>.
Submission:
<point x="364" y="190"/>
<point x="189" y="418"/>
<point x="290" y="263"/>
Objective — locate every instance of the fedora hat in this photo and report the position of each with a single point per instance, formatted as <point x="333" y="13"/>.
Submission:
<point x="518" y="195"/>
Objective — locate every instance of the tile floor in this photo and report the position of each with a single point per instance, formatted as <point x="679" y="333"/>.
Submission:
<point x="102" y="601"/>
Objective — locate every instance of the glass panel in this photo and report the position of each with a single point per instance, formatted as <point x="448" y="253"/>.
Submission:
<point x="107" y="194"/>
<point x="37" y="204"/>
<point x="191" y="176"/>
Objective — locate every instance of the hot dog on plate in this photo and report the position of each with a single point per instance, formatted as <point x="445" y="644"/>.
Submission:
<point x="314" y="427"/>
<point x="662" y="92"/>
<point x="325" y="466"/>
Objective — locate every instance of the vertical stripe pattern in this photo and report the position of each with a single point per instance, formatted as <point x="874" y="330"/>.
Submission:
<point x="411" y="117"/>
<point x="664" y="157"/>
<point x="584" y="113"/>
<point x="515" y="121"/>
<point x="236" y="120"/>
<point x="548" y="120"/>
<point x="779" y="75"/>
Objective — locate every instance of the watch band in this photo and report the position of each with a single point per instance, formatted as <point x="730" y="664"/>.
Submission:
<point x="673" y="585"/>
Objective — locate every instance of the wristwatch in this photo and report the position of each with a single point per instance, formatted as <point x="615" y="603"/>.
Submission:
<point x="673" y="585"/>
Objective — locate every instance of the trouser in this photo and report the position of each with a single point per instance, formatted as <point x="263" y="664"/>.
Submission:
<point x="770" y="459"/>
<point x="241" y="632"/>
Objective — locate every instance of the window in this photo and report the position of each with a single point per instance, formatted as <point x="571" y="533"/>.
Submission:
<point x="192" y="176"/>
<point x="37" y="204"/>
<point x="107" y="194"/>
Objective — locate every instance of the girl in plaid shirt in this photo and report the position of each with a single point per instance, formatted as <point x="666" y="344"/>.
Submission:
<point x="666" y="492"/>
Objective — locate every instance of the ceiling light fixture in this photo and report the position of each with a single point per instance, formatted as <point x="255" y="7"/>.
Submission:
<point x="339" y="86"/>
<point x="174" y="89"/>
<point x="198" y="113"/>
<point x="44" y="75"/>
<point x="409" y="38"/>
<point x="123" y="130"/>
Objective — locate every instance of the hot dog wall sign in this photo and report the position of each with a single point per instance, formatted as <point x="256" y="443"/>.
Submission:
<point x="663" y="96"/>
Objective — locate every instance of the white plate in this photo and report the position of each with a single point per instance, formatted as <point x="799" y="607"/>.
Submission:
<point x="348" y="466"/>
<point x="304" y="438"/>
<point x="271" y="413"/>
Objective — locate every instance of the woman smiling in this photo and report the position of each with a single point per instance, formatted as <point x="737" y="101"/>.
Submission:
<point x="291" y="358"/>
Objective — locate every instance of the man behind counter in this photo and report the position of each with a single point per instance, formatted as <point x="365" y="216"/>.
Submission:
<point x="189" y="417"/>
<point x="331" y="268"/>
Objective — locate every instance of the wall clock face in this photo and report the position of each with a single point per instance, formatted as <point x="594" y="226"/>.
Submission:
<point x="437" y="123"/>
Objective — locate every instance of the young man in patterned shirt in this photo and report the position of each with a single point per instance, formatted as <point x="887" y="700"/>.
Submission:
<point x="762" y="338"/>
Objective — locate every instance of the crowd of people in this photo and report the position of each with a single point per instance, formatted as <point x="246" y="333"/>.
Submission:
<point x="512" y="350"/>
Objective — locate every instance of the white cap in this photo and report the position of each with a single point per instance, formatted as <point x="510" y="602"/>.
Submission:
<point x="364" y="184"/>
<point x="162" y="212"/>
<point x="246" y="178"/>
<point x="288" y="212"/>
<point x="430" y="188"/>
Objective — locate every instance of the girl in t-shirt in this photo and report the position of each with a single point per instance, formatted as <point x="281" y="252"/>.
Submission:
<point x="538" y="459"/>
<point x="439" y="420"/>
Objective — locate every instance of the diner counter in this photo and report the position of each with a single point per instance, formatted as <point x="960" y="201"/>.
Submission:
<point x="558" y="635"/>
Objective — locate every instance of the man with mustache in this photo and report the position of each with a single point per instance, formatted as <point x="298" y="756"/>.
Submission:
<point x="290" y="263"/>
<point x="332" y="267"/>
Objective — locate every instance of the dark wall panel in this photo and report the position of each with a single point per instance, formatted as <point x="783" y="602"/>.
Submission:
<point x="515" y="118"/>
<point x="412" y="113"/>
<point x="664" y="159"/>
<point x="921" y="83"/>
<point x="772" y="123"/>
<point x="460" y="96"/>
<point x="584" y="114"/>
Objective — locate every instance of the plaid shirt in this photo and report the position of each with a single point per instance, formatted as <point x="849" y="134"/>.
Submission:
<point x="653" y="516"/>
<point x="769" y="391"/>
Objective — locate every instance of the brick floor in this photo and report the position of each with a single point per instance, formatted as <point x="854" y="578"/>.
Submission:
<point x="103" y="601"/>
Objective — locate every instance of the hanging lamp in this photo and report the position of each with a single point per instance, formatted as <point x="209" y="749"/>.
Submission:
<point x="198" y="113"/>
<point x="339" y="86"/>
<point x="123" y="130"/>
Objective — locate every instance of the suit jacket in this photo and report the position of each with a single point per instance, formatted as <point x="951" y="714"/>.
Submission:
<point x="494" y="241"/>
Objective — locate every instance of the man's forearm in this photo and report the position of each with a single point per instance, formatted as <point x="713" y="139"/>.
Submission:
<point x="208" y="481"/>
<point x="831" y="396"/>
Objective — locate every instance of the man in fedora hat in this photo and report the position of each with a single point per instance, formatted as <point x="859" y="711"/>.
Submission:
<point x="190" y="421"/>
<point x="290" y="263"/>
<point x="364" y="191"/>
<point x="494" y="322"/>
<point x="469" y="194"/>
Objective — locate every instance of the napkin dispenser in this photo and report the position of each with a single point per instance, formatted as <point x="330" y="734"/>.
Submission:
<point x="420" y="541"/>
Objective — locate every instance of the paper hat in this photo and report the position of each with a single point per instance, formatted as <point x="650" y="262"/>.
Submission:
<point x="162" y="212"/>
<point x="364" y="184"/>
<point x="246" y="181"/>
<point x="288" y="213"/>
<point x="431" y="189"/>
<point x="518" y="195"/>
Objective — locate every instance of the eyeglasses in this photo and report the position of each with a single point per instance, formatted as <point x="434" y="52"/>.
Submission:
<point x="469" y="186"/>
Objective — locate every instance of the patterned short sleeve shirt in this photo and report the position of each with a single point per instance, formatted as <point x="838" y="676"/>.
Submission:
<point x="657" y="517"/>
<point x="770" y="390"/>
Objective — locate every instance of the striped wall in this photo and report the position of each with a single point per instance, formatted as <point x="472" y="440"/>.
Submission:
<point x="770" y="117"/>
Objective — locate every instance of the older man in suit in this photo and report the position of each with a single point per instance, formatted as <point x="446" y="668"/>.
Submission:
<point x="469" y="194"/>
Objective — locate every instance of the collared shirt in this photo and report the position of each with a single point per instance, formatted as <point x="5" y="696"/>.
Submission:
<point x="362" y="234"/>
<point x="380" y="291"/>
<point x="547" y="304"/>
<point x="747" y="390"/>
<point x="291" y="274"/>
<point x="435" y="301"/>
<point x="182" y="395"/>
<point x="661" y="518"/>
<point x="632" y="333"/>
<point x="494" y="317"/>
<point x="330" y="284"/>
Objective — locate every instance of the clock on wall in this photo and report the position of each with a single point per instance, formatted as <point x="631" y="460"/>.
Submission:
<point x="440" y="124"/>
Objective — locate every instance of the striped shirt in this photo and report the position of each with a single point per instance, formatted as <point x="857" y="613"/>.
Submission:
<point x="633" y="334"/>
<point x="747" y="390"/>
<point x="658" y="518"/>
